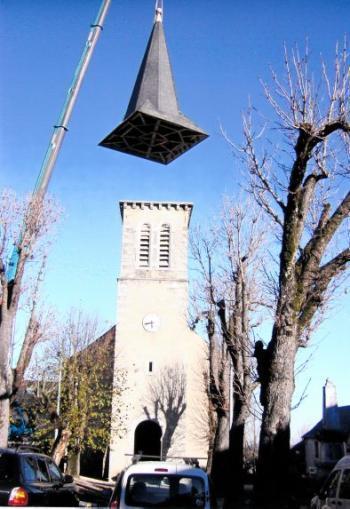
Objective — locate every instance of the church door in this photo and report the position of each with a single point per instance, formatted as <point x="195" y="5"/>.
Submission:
<point x="148" y="440"/>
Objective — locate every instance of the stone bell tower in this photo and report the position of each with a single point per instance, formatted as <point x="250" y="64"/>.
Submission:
<point x="161" y="409"/>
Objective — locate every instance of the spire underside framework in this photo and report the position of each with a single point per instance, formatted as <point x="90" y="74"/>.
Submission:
<point x="153" y="126"/>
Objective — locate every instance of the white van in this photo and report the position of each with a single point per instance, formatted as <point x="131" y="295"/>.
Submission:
<point x="160" y="484"/>
<point x="336" y="490"/>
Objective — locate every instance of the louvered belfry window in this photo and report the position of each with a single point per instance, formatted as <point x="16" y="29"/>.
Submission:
<point x="164" y="247"/>
<point x="145" y="244"/>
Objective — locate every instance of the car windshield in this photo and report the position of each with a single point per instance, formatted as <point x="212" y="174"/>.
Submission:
<point x="172" y="491"/>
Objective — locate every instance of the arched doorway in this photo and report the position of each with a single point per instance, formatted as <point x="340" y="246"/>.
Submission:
<point x="147" y="439"/>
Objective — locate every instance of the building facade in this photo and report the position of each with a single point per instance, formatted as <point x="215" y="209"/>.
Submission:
<point x="329" y="440"/>
<point x="162" y="409"/>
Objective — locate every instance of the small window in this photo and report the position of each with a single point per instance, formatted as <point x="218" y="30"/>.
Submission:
<point x="54" y="471"/>
<point x="43" y="475"/>
<point x="150" y="366"/>
<point x="30" y="469"/>
<point x="317" y="449"/>
<point x="164" y="247"/>
<point x="145" y="244"/>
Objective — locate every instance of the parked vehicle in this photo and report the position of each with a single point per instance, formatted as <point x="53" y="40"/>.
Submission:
<point x="336" y="490"/>
<point x="31" y="478"/>
<point x="160" y="484"/>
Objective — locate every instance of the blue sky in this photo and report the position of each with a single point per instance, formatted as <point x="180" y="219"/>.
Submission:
<point x="218" y="50"/>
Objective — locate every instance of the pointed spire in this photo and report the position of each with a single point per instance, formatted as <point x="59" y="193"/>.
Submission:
<point x="153" y="126"/>
<point x="154" y="84"/>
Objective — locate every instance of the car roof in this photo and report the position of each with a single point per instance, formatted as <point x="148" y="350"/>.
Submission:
<point x="4" y="450"/>
<point x="343" y="463"/>
<point x="19" y="451"/>
<point x="162" y="467"/>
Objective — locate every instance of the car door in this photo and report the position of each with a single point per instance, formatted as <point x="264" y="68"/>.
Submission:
<point x="34" y="481"/>
<point x="8" y="475"/>
<point x="343" y="501"/>
<point x="45" y="480"/>
<point x="64" y="493"/>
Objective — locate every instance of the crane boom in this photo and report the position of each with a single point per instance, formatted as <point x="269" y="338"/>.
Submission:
<point x="61" y="127"/>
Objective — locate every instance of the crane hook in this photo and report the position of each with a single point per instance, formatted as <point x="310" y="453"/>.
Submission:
<point x="159" y="11"/>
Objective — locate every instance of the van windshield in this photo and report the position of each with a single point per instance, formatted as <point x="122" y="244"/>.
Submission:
<point x="171" y="491"/>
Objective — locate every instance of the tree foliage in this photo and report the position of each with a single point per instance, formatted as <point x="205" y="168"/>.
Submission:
<point x="84" y="420"/>
<point x="70" y="394"/>
<point x="86" y="383"/>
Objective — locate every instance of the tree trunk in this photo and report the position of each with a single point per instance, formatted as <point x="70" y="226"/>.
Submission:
<point x="219" y="467"/>
<point x="60" y="446"/>
<point x="5" y="374"/>
<point x="211" y="438"/>
<point x="236" y="451"/>
<point x="73" y="467"/>
<point x="273" y="464"/>
<point x="4" y="421"/>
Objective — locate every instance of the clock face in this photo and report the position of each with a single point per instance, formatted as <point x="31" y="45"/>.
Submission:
<point x="151" y="322"/>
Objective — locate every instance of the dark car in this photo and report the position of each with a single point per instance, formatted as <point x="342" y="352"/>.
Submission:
<point x="30" y="478"/>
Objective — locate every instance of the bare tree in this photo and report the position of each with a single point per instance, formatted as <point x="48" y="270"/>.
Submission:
<point x="229" y="259"/>
<point x="167" y="392"/>
<point x="217" y="382"/>
<point x="24" y="233"/>
<point x="204" y="248"/>
<point x="40" y="327"/>
<point x="37" y="396"/>
<point x="301" y="184"/>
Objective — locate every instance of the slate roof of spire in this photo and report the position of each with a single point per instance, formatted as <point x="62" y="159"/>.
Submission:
<point x="154" y="83"/>
<point x="153" y="126"/>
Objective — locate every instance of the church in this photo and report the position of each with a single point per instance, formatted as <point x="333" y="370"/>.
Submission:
<point x="160" y="404"/>
<point x="162" y="409"/>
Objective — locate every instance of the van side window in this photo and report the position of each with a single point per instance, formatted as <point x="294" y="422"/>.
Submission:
<point x="344" y="490"/>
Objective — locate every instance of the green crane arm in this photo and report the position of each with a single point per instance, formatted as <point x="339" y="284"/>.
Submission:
<point x="61" y="127"/>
